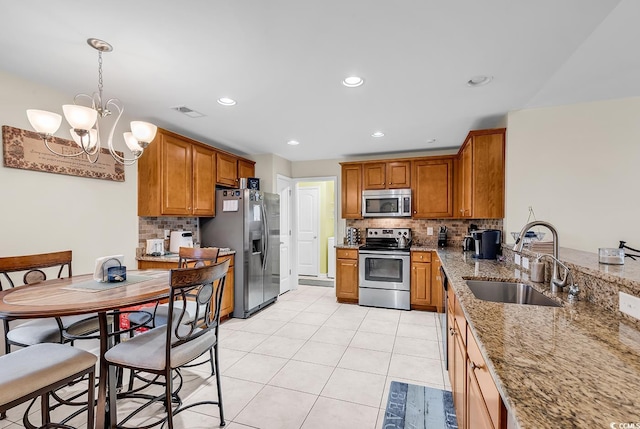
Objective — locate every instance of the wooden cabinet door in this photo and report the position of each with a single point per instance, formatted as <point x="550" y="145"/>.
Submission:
<point x="488" y="176"/>
<point x="420" y="284"/>
<point x="351" y="198"/>
<point x="347" y="279"/>
<point x="398" y="174"/>
<point x="374" y="175"/>
<point x="204" y="181"/>
<point x="176" y="175"/>
<point x="476" y="408"/>
<point x="459" y="378"/>
<point x="436" y="283"/>
<point x="246" y="168"/>
<point x="433" y="188"/>
<point x="466" y="180"/>
<point x="227" y="294"/>
<point x="226" y="170"/>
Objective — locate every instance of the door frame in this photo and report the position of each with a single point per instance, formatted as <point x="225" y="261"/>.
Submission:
<point x="294" y="203"/>
<point x="293" y="285"/>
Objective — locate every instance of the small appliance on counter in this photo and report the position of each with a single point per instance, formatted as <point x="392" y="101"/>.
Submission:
<point x="352" y="236"/>
<point x="487" y="243"/>
<point x="468" y="242"/>
<point x="155" y="247"/>
<point x="180" y="239"/>
<point x="442" y="236"/>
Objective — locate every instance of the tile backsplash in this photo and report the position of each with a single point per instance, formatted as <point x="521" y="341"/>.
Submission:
<point x="456" y="228"/>
<point x="153" y="227"/>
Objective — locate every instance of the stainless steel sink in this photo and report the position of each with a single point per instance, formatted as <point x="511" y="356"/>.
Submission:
<point x="515" y="293"/>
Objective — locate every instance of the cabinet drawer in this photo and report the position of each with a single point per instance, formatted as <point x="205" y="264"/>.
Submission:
<point x="347" y="253"/>
<point x="420" y="256"/>
<point x="486" y="384"/>
<point x="224" y="258"/>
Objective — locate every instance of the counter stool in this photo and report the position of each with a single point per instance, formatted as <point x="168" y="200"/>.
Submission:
<point x="40" y="369"/>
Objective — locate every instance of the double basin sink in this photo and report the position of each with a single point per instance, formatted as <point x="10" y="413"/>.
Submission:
<point x="509" y="292"/>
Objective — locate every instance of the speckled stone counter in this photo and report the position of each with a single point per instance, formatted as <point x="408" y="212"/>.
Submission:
<point x="568" y="367"/>
<point x="347" y="246"/>
<point x="173" y="257"/>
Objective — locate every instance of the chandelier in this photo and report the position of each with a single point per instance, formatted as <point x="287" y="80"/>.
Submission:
<point x="85" y="121"/>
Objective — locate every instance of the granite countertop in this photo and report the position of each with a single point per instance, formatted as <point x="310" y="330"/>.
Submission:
<point x="173" y="257"/>
<point x="574" y="366"/>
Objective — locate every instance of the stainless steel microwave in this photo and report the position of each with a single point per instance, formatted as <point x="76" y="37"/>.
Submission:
<point x="386" y="203"/>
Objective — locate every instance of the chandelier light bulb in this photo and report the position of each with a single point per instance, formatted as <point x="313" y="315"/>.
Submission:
<point x="44" y="122"/>
<point x="80" y="117"/>
<point x="132" y="142"/>
<point x="86" y="141"/>
<point x="144" y="132"/>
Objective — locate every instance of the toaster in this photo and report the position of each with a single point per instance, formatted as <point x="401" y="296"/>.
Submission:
<point x="180" y="239"/>
<point x="155" y="247"/>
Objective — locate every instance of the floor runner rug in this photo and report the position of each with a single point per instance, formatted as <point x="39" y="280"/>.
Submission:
<point x="418" y="407"/>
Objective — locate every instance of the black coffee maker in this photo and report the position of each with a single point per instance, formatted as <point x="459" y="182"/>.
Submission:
<point x="468" y="242"/>
<point x="442" y="236"/>
<point x="487" y="243"/>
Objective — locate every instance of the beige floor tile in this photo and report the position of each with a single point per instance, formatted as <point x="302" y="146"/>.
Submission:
<point x="334" y="414"/>
<point x="418" y="331"/>
<point x="279" y="346"/>
<point x="193" y="419"/>
<point x="302" y="376"/>
<point x="255" y="367"/>
<point x="296" y="330"/>
<point x="365" y="360"/>
<point x="371" y="341"/>
<point x="424" y="318"/>
<point x="263" y="326"/>
<point x="351" y="309"/>
<point x="378" y="326"/>
<point x="277" y="408"/>
<point x="234" y="425"/>
<point x="323" y="307"/>
<point x="243" y="341"/>
<point x="292" y="305"/>
<point x="306" y="297"/>
<point x="355" y="386"/>
<point x="384" y="314"/>
<point x="236" y="394"/>
<point x="320" y="353"/>
<point x="277" y="314"/>
<point x="380" y="421"/>
<point x="309" y="318"/>
<point x="228" y="357"/>
<point x="415" y="347"/>
<point x="344" y="321"/>
<point x="416" y="368"/>
<point x="327" y="334"/>
<point x="233" y="324"/>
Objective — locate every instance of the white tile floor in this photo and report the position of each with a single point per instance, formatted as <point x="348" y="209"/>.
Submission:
<point x="308" y="362"/>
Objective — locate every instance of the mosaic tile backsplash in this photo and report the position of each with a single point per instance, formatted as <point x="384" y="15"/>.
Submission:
<point x="153" y="227"/>
<point x="456" y="228"/>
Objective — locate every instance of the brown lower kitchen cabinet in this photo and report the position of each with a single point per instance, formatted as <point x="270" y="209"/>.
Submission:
<point x="421" y="280"/>
<point x="476" y="398"/>
<point x="347" y="275"/>
<point x="227" y="295"/>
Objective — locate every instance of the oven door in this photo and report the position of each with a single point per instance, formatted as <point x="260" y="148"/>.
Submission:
<point x="384" y="270"/>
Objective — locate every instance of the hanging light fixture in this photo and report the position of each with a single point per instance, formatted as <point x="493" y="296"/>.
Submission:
<point x="83" y="119"/>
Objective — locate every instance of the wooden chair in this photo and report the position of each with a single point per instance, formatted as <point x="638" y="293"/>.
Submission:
<point x="33" y="269"/>
<point x="37" y="371"/>
<point x="166" y="348"/>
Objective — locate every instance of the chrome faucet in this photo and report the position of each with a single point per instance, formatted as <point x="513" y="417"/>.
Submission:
<point x="556" y="283"/>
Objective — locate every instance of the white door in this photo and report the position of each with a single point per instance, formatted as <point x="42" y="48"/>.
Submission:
<point x="284" y="190"/>
<point x="308" y="230"/>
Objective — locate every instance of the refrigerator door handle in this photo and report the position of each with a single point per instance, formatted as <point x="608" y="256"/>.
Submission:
<point x="265" y="237"/>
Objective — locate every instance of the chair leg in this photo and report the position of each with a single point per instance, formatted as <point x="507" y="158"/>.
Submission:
<point x="217" y="372"/>
<point x="167" y="398"/>
<point x="91" y="392"/>
<point x="213" y="367"/>
<point x="44" y="409"/>
<point x="3" y="415"/>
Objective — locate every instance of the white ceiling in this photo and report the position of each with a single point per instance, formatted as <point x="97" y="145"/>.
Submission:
<point x="284" y="60"/>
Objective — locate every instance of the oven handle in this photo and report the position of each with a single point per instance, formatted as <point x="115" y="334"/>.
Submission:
<point x="383" y="253"/>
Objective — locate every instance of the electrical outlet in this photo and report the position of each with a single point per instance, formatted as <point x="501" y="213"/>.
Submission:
<point x="516" y="259"/>
<point x="429" y="230"/>
<point x="525" y="263"/>
<point x="630" y="305"/>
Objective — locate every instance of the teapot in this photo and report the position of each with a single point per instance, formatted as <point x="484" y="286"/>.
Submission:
<point x="402" y="241"/>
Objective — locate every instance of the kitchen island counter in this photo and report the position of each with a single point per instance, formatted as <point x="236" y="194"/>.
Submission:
<point x="573" y="366"/>
<point x="173" y="257"/>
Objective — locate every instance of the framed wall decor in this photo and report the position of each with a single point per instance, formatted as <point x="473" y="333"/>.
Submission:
<point x="25" y="150"/>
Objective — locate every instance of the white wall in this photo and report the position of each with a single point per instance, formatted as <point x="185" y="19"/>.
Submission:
<point x="268" y="166"/>
<point x="578" y="166"/>
<point x="43" y="212"/>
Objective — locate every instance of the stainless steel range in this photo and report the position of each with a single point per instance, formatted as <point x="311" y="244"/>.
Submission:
<point x="384" y="262"/>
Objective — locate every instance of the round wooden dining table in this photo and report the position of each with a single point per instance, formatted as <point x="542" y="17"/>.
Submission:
<point x="80" y="295"/>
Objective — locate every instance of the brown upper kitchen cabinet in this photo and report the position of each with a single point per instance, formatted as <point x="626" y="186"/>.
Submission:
<point x="231" y="168"/>
<point x="351" y="199"/>
<point x="432" y="188"/>
<point x="480" y="177"/>
<point x="176" y="177"/>
<point x="387" y="175"/>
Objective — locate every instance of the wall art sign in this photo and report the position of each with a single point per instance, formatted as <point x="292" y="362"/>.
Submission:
<point x="25" y="150"/>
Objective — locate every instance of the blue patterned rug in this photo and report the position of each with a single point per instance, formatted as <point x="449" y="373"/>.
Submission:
<point x="418" y="407"/>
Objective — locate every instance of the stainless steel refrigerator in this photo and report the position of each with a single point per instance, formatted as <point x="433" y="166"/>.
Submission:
<point x="248" y="221"/>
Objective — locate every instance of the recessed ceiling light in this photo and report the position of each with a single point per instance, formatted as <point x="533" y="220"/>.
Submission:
<point x="226" y="101"/>
<point x="479" y="80"/>
<point x="293" y="142"/>
<point x="431" y="140"/>
<point x="377" y="134"/>
<point x="353" y="81"/>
